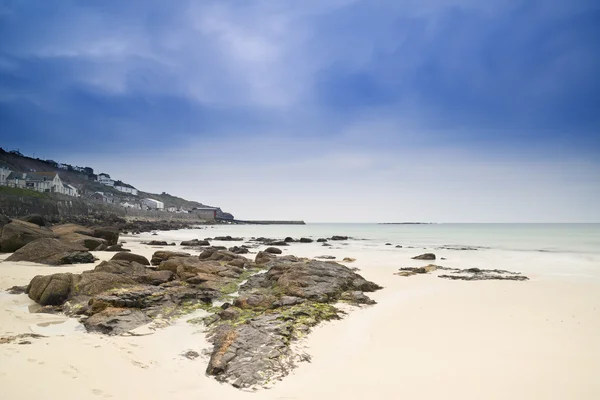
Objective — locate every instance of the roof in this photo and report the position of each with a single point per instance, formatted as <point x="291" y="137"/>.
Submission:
<point x="40" y="176"/>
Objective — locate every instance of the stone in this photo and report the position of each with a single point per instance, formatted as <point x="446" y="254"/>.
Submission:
<point x="410" y="271"/>
<point x="50" y="289"/>
<point x="116" y="321"/>
<point x="111" y="235"/>
<point x="477" y="274"/>
<point x="195" y="243"/>
<point x="321" y="240"/>
<point x="160" y="256"/>
<point x="398" y="246"/>
<point x="116" y="248"/>
<point x="273" y="250"/>
<point x="239" y="249"/>
<point x="125" y="256"/>
<point x="326" y="257"/>
<point x="228" y="238"/>
<point x="349" y="259"/>
<point x="289" y="239"/>
<point x="305" y="240"/>
<point x="52" y="252"/>
<point x="17" y="234"/>
<point x="426" y="256"/>
<point x="262" y="257"/>
<point x="191" y="355"/>
<point x="337" y="237"/>
<point x="35" y="219"/>
<point x="89" y="242"/>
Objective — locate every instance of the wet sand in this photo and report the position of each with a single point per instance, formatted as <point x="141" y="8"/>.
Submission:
<point x="427" y="338"/>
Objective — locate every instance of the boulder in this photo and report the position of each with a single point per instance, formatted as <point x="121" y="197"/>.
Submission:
<point x="321" y="240"/>
<point x="160" y="256"/>
<point x="218" y="255"/>
<point x="289" y="239"/>
<point x="337" y="237"/>
<point x="67" y="229"/>
<point x="111" y="235"/>
<point x="116" y="247"/>
<point x="52" y="252"/>
<point x="273" y="250"/>
<point x="125" y="256"/>
<point x="50" y="290"/>
<point x="17" y="234"/>
<point x="262" y="257"/>
<point x="35" y="219"/>
<point x="239" y="249"/>
<point x="305" y="240"/>
<point x="228" y="238"/>
<point x="89" y="242"/>
<point x="426" y="256"/>
<point x="195" y="242"/>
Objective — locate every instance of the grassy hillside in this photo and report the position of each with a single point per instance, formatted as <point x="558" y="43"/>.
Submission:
<point x="84" y="181"/>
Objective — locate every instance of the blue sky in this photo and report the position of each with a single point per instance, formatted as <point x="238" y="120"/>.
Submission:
<point x="457" y="110"/>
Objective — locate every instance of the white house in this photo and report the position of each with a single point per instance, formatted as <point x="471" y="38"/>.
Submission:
<point x="4" y="173"/>
<point x="153" y="204"/>
<point x="131" y="205"/>
<point x="70" y="190"/>
<point x="47" y="182"/>
<point x="125" y="188"/>
<point x="105" y="180"/>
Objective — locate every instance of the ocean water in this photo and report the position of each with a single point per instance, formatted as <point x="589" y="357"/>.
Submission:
<point x="563" y="238"/>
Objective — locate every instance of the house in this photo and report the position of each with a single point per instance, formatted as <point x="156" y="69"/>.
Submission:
<point x="153" y="204"/>
<point x="5" y="170"/>
<point x="131" y="205"/>
<point x="70" y="190"/>
<point x="63" y="166"/>
<point x="101" y="197"/>
<point x="125" y="188"/>
<point x="105" y="180"/>
<point x="47" y="182"/>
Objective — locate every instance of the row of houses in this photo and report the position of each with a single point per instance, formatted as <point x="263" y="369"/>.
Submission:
<point x="106" y="180"/>
<point x="46" y="182"/>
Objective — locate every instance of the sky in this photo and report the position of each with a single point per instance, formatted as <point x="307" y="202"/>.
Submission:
<point x="332" y="111"/>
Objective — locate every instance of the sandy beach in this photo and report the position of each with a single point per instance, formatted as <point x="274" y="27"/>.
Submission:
<point x="427" y="338"/>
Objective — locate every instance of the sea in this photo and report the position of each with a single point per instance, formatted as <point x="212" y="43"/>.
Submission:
<point x="565" y="238"/>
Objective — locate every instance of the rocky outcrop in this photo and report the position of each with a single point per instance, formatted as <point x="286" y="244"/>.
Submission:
<point x="278" y="303"/>
<point x="477" y="274"/>
<point x="426" y="256"/>
<point x="17" y="234"/>
<point x="52" y="252"/>
<point x="128" y="256"/>
<point x="252" y="338"/>
<point x="410" y="271"/>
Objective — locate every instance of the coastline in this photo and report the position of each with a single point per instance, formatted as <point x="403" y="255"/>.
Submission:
<point x="426" y="337"/>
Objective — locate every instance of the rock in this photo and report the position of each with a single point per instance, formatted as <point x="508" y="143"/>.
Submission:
<point x="116" y="248"/>
<point x="410" y="271"/>
<point x="195" y="243"/>
<point x="111" y="235"/>
<point x="218" y="255"/>
<point x="89" y="242"/>
<point x="326" y="245"/>
<point x="313" y="280"/>
<point x="388" y="244"/>
<point x="273" y="250"/>
<point x="35" y="219"/>
<point x="239" y="250"/>
<point x="228" y="238"/>
<point x="52" y="252"/>
<point x="349" y="259"/>
<point x="477" y="274"/>
<point x="426" y="256"/>
<point x="289" y="239"/>
<point x="277" y="243"/>
<point x="398" y="246"/>
<point x="339" y="237"/>
<point x="191" y="355"/>
<point x="17" y="234"/>
<point x="17" y="289"/>
<point x="67" y="229"/>
<point x="356" y="297"/>
<point x="50" y="289"/>
<point x="156" y="243"/>
<point x="160" y="256"/>
<point x="326" y="257"/>
<point x="131" y="257"/>
<point x="115" y="321"/>
<point x="321" y="240"/>
<point x="305" y="240"/>
<point x="262" y="257"/>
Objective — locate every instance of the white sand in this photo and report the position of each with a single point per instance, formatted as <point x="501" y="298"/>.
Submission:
<point x="427" y="338"/>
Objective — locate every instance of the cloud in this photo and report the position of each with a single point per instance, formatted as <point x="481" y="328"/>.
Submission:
<point x="335" y="95"/>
